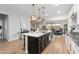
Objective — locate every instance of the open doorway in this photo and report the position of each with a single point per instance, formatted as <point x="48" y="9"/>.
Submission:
<point x="3" y="27"/>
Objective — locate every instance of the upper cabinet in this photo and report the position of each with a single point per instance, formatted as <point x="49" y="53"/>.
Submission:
<point x="77" y="14"/>
<point x="74" y="18"/>
<point x="74" y="15"/>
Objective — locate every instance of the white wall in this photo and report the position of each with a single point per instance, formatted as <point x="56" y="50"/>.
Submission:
<point x="25" y="23"/>
<point x="14" y="24"/>
<point x="5" y="30"/>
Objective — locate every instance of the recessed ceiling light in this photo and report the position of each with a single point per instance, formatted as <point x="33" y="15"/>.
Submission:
<point x="59" y="12"/>
<point x="56" y="4"/>
<point x="46" y="14"/>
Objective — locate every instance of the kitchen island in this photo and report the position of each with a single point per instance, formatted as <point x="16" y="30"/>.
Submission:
<point x="35" y="42"/>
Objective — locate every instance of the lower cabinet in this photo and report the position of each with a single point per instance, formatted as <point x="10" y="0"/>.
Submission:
<point x="37" y="44"/>
<point x="71" y="46"/>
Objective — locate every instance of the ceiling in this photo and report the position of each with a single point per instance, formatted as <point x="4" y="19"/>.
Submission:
<point x="57" y="22"/>
<point x="52" y="10"/>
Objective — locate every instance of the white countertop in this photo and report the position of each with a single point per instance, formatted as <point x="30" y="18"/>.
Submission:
<point x="35" y="34"/>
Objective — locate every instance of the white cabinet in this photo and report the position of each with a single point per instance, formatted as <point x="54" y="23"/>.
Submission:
<point x="76" y="10"/>
<point x="68" y="45"/>
<point x="71" y="46"/>
<point x="77" y="14"/>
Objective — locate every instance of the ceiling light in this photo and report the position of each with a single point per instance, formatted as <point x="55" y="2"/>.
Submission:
<point x="56" y="4"/>
<point x="46" y="14"/>
<point x="59" y="12"/>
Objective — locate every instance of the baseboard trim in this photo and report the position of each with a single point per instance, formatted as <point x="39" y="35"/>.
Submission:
<point x="13" y="39"/>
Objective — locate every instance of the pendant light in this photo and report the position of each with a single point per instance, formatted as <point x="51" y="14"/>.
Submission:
<point x="33" y="17"/>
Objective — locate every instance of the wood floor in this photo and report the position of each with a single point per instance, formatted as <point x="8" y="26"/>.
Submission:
<point x="13" y="47"/>
<point x="57" y="46"/>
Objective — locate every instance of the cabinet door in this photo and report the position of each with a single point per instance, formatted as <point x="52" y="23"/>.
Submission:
<point x="40" y="45"/>
<point x="68" y="44"/>
<point x="33" y="47"/>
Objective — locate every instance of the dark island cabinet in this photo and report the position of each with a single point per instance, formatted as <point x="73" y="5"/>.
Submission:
<point x="37" y="44"/>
